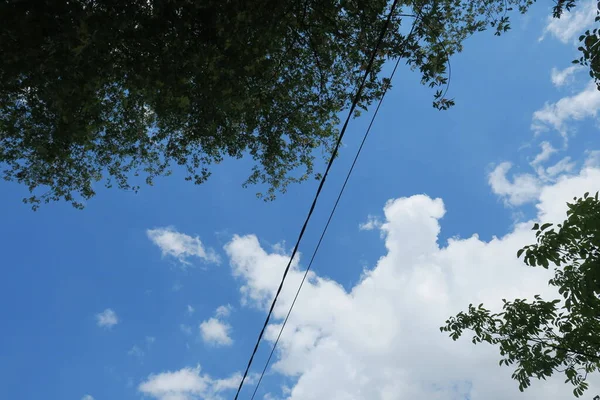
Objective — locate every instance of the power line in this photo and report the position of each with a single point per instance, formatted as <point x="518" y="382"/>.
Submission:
<point x="314" y="202"/>
<point x="386" y="87"/>
<point x="314" y="254"/>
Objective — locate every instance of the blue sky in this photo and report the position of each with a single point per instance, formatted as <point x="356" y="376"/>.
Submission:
<point x="161" y="294"/>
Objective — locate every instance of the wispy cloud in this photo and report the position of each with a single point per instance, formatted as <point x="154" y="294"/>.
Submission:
<point x="562" y="167"/>
<point x="522" y="189"/>
<point x="584" y="104"/>
<point x="571" y="24"/>
<point x="223" y="311"/>
<point x="107" y="318"/>
<point x="181" y="246"/>
<point x="544" y="155"/>
<point x="372" y="223"/>
<point x="564" y="76"/>
<point x="593" y="159"/>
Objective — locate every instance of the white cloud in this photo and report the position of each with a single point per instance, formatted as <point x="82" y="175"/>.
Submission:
<point x="563" y="166"/>
<point x="564" y="76"/>
<point x="190" y="310"/>
<point x="582" y="105"/>
<point x="551" y="206"/>
<point x="571" y="24"/>
<point x="593" y="159"/>
<point x="107" y="318"/>
<point x="181" y="246"/>
<point x="87" y="397"/>
<point x="380" y="340"/>
<point x="279" y="248"/>
<point x="223" y="311"/>
<point x="548" y="174"/>
<point x="150" y="340"/>
<point x="242" y="253"/>
<point x="544" y="155"/>
<point x="215" y="332"/>
<point x="372" y="223"/>
<point x="187" y="384"/>
<point x="524" y="188"/>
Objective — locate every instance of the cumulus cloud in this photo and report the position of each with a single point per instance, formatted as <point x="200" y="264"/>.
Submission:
<point x="571" y="24"/>
<point x="107" y="318"/>
<point x="181" y="246"/>
<point x="187" y="384"/>
<point x="216" y="332"/>
<point x="258" y="287"/>
<point x="380" y="339"/>
<point x="584" y="104"/>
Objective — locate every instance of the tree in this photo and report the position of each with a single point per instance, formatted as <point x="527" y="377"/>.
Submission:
<point x="561" y="335"/>
<point x="119" y="92"/>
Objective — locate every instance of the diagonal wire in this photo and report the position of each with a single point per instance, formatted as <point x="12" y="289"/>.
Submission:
<point x="312" y="207"/>
<point x="387" y="86"/>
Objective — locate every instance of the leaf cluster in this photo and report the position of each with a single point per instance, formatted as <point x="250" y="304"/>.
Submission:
<point x="108" y="91"/>
<point x="561" y="335"/>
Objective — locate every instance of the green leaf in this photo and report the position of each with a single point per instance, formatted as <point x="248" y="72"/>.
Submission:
<point x="539" y="336"/>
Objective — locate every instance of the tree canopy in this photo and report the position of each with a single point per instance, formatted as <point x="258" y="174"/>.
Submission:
<point x="546" y="336"/>
<point x="120" y="92"/>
